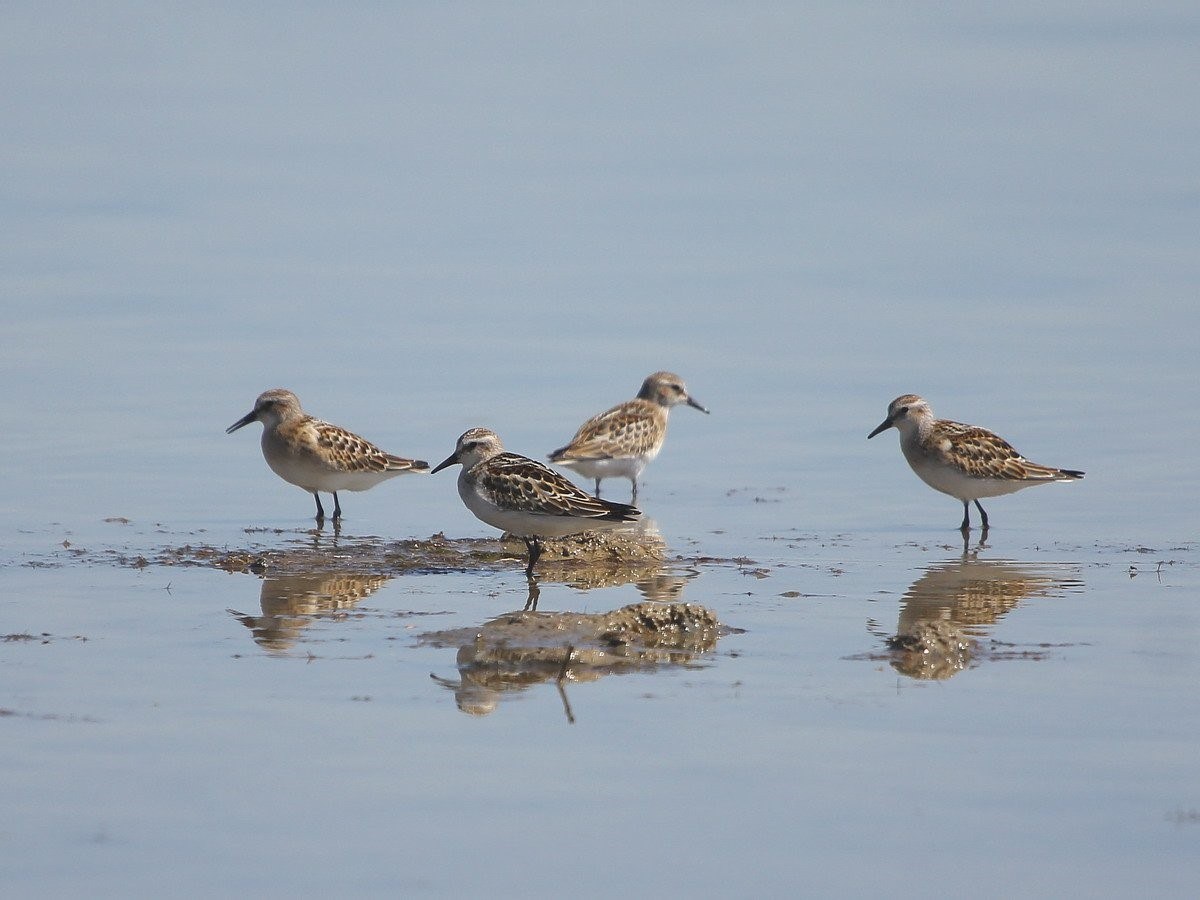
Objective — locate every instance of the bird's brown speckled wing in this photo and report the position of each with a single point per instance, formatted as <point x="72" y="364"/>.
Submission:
<point x="630" y="429"/>
<point x="983" y="454"/>
<point x="352" y="453"/>
<point x="519" y="483"/>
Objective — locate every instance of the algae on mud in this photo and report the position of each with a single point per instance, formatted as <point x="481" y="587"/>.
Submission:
<point x="599" y="558"/>
<point x="514" y="651"/>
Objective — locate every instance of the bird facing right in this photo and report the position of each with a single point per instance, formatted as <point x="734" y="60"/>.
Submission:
<point x="964" y="461"/>
<point x="622" y="441"/>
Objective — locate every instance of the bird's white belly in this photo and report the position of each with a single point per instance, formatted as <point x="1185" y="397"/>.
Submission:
<point x="619" y="467"/>
<point x="956" y="483"/>
<point x="312" y="476"/>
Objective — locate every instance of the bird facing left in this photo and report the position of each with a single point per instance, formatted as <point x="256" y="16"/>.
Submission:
<point x="317" y="456"/>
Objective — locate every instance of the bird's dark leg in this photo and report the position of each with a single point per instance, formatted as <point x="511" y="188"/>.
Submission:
<point x="597" y="487"/>
<point x="966" y="522"/>
<point x="535" y="552"/>
<point x="633" y="498"/>
<point x="983" y="514"/>
<point x="320" y="508"/>
<point x="337" y="508"/>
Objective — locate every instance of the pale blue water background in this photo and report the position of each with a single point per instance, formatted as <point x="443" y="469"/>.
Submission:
<point x="424" y="218"/>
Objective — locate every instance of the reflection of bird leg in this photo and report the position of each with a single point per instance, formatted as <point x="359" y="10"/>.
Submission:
<point x="318" y="535"/>
<point x="566" y="666"/>
<point x="534" y="546"/>
<point x="534" y="593"/>
<point x="562" y="691"/>
<point x="971" y="553"/>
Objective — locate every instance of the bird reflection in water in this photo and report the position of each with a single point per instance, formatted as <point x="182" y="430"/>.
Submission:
<point x="291" y="603"/>
<point x="631" y="555"/>
<point x="513" y="652"/>
<point x="954" y="603"/>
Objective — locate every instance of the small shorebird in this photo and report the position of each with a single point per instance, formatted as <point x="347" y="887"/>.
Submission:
<point x="317" y="456"/>
<point x="524" y="497"/>
<point x="964" y="461"/>
<point x="621" y="442"/>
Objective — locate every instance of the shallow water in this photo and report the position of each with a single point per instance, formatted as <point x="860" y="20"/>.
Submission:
<point x="426" y="222"/>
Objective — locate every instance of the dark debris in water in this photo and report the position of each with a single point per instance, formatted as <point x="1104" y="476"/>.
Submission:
<point x="43" y="637"/>
<point x="43" y="717"/>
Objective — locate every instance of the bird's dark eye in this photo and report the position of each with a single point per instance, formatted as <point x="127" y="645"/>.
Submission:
<point x="903" y="411"/>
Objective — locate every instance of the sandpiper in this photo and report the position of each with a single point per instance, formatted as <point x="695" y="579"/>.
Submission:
<point x="318" y="456"/>
<point x="524" y="497"/>
<point x="622" y="441"/>
<point x="964" y="461"/>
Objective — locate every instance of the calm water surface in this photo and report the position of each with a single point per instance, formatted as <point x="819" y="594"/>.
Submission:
<point x="427" y="221"/>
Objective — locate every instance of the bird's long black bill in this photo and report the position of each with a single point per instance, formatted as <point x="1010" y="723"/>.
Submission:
<point x="448" y="461"/>
<point x="240" y="423"/>
<point x="883" y="426"/>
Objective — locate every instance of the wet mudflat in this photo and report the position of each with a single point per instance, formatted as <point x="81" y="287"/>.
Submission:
<point x="202" y="694"/>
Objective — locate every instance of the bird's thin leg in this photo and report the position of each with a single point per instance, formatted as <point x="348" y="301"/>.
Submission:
<point x="597" y="487"/>
<point x="983" y="514"/>
<point x="633" y="498"/>
<point x="535" y="552"/>
<point x="966" y="522"/>
<point x="337" y="508"/>
<point x="320" y="508"/>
